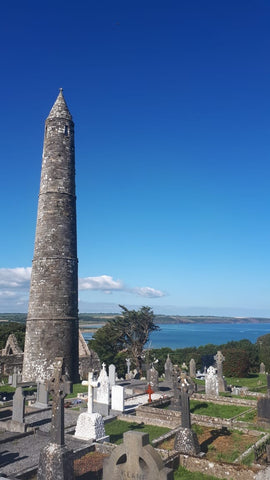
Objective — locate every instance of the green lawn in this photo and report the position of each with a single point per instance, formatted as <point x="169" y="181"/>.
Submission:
<point x="216" y="410"/>
<point x="254" y="382"/>
<point x="116" y="429"/>
<point x="77" y="388"/>
<point x="184" y="474"/>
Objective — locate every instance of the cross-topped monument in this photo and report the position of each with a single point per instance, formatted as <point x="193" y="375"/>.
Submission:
<point x="219" y="358"/>
<point x="91" y="384"/>
<point x="58" y="386"/>
<point x="56" y="461"/>
<point x="90" y="425"/>
<point x="150" y="392"/>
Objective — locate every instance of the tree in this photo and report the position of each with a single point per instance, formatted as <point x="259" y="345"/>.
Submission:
<point x="236" y="363"/>
<point x="12" y="327"/>
<point x="127" y="332"/>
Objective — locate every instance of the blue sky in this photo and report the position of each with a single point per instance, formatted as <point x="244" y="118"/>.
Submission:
<point x="171" y="108"/>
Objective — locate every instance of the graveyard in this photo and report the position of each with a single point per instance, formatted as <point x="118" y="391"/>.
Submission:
<point x="190" y="425"/>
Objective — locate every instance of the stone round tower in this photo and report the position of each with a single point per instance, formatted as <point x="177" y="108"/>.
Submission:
<point x="52" y="321"/>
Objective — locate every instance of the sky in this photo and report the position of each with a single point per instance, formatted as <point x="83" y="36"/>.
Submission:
<point x="171" y="107"/>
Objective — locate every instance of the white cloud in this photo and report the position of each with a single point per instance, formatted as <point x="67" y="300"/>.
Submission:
<point x="15" y="284"/>
<point x="103" y="283"/>
<point x="15" y="277"/>
<point x="149" y="292"/>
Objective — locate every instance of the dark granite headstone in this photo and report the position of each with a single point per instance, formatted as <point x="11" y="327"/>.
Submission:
<point x="185" y="408"/>
<point x="263" y="409"/>
<point x="175" y="400"/>
<point x="186" y="441"/>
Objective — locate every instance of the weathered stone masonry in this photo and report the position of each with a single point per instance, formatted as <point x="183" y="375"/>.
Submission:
<point x="52" y="321"/>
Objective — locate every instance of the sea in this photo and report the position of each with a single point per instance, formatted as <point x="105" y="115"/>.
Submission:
<point x="182" y="335"/>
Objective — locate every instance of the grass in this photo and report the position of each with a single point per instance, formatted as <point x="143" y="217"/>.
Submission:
<point x="117" y="428"/>
<point x="215" y="410"/>
<point x="184" y="474"/>
<point x="254" y="381"/>
<point x="249" y="416"/>
<point x="77" y="388"/>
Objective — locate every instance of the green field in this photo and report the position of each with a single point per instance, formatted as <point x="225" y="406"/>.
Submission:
<point x="117" y="428"/>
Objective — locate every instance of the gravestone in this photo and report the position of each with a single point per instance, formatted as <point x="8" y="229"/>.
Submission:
<point x="102" y="393"/>
<point x="168" y="369"/>
<point x="262" y="368"/>
<point x="185" y="408"/>
<point x="90" y="426"/>
<point x="56" y="461"/>
<point x="192" y="368"/>
<point x="135" y="459"/>
<point x="112" y="374"/>
<point x="186" y="441"/>
<point x="219" y="358"/>
<point x="153" y="378"/>
<point x="211" y="382"/>
<point x="42" y="400"/>
<point x="175" y="403"/>
<point x="16" y="378"/>
<point x="118" y="398"/>
<point x="18" y="406"/>
<point x="17" y="423"/>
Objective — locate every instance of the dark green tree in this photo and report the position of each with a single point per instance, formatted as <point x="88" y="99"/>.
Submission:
<point x="127" y="333"/>
<point x="236" y="363"/>
<point x="18" y="329"/>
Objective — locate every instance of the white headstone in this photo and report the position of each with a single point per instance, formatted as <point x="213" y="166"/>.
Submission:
<point x="90" y="426"/>
<point x="103" y="390"/>
<point x="211" y="382"/>
<point x="118" y="394"/>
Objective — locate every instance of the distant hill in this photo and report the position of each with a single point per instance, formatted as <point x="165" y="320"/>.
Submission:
<point x="104" y="317"/>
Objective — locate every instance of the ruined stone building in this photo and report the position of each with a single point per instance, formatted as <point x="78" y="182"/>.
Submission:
<point x="11" y="357"/>
<point x="52" y="321"/>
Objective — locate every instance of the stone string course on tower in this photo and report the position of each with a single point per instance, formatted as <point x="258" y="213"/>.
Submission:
<point x="52" y="321"/>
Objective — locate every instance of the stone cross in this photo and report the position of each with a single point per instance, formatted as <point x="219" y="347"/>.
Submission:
<point x="90" y="383"/>
<point x="58" y="386"/>
<point x="135" y="459"/>
<point x="219" y="358"/>
<point x="128" y="362"/>
<point x="149" y="391"/>
<point x="185" y="408"/>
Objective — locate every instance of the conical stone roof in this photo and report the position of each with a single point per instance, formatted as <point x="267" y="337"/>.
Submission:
<point x="60" y="108"/>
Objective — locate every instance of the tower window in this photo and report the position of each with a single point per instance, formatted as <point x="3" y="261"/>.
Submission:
<point x="66" y="130"/>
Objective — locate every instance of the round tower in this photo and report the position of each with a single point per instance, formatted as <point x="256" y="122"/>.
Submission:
<point x="52" y="321"/>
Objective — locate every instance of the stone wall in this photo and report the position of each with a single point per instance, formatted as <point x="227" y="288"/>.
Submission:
<point x="224" y="400"/>
<point x="9" y="362"/>
<point x="224" y="470"/>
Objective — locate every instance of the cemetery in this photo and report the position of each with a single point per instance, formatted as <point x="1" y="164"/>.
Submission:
<point x="187" y="425"/>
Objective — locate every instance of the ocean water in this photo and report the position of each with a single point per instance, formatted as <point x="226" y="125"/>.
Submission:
<point x="189" y="335"/>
